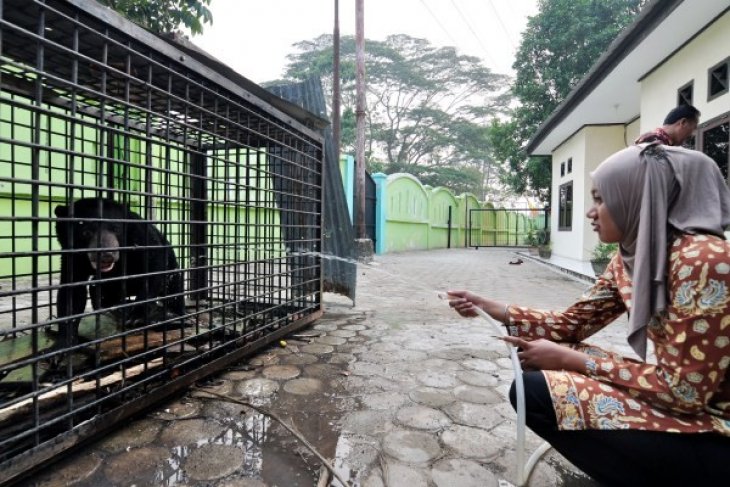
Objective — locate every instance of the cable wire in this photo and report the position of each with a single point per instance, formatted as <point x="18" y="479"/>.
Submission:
<point x="471" y="29"/>
<point x="501" y="22"/>
<point x="448" y="34"/>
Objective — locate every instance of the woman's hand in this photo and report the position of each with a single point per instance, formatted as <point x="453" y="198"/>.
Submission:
<point x="466" y="302"/>
<point x="543" y="354"/>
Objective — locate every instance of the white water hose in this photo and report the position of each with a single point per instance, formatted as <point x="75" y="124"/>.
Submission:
<point x="523" y="467"/>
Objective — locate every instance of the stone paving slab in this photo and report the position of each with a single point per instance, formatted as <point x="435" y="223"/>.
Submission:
<point x="462" y="371"/>
<point x="398" y="390"/>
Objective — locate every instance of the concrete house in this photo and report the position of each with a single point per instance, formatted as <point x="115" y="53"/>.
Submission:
<point x="677" y="51"/>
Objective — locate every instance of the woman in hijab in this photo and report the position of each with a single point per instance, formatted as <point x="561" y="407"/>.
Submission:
<point x="624" y="421"/>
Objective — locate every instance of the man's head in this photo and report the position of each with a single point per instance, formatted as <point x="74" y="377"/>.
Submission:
<point x="681" y="122"/>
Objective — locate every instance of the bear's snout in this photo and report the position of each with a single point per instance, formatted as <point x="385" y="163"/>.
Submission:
<point x="104" y="251"/>
<point x="103" y="261"/>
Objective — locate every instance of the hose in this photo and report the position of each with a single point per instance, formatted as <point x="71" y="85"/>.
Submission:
<point x="524" y="467"/>
<point x="520" y="389"/>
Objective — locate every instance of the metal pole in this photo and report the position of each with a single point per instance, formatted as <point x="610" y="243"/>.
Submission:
<point x="468" y="233"/>
<point x="467" y="224"/>
<point x="336" y="84"/>
<point x="360" y="118"/>
<point x="448" y="238"/>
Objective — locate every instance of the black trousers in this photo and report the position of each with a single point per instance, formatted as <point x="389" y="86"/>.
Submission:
<point x="628" y="457"/>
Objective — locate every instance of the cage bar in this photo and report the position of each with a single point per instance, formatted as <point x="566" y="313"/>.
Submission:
<point x="189" y="204"/>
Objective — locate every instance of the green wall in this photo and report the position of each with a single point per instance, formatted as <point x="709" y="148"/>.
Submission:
<point x="415" y="217"/>
<point x="78" y="158"/>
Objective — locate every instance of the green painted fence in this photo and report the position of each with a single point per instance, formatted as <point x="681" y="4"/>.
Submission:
<point x="411" y="216"/>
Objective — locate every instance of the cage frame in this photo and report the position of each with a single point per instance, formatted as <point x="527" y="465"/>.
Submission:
<point x="286" y="117"/>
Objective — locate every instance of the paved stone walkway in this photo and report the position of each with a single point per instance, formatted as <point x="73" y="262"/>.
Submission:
<point x="399" y="390"/>
<point x="433" y="386"/>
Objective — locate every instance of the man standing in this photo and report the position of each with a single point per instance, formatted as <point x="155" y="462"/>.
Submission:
<point x="679" y="125"/>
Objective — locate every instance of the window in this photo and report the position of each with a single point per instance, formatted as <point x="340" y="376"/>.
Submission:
<point x="562" y="169"/>
<point x="715" y="142"/>
<point x="570" y="165"/>
<point x="565" y="207"/>
<point x="717" y="80"/>
<point x="685" y="93"/>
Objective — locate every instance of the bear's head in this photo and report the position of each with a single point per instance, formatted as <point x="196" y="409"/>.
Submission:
<point x="95" y="226"/>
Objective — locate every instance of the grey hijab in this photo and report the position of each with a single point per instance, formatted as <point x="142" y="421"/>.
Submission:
<point x="652" y="193"/>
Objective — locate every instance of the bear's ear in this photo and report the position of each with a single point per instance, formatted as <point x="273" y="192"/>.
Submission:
<point x="61" y="211"/>
<point x="62" y="227"/>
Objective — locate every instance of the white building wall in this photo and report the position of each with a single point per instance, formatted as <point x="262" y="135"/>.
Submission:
<point x="592" y="144"/>
<point x="633" y="130"/>
<point x="568" y="243"/>
<point x="588" y="148"/>
<point x="601" y="141"/>
<point x="691" y="63"/>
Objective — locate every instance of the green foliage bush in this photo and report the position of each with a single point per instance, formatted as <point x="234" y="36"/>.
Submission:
<point x="604" y="251"/>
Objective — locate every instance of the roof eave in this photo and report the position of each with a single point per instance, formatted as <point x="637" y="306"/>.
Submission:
<point x="652" y="15"/>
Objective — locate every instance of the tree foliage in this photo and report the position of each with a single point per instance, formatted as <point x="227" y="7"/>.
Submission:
<point x="559" y="46"/>
<point x="427" y="107"/>
<point x="164" y="16"/>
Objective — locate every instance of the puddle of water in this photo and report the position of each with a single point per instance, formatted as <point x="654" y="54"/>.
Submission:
<point x="270" y="452"/>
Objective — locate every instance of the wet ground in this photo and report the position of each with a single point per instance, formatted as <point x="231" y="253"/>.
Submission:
<point x="398" y="391"/>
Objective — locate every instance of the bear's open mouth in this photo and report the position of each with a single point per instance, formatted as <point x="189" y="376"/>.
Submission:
<point x="102" y="266"/>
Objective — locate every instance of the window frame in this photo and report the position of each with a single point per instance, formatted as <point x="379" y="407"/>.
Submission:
<point x="565" y="223"/>
<point x="689" y="85"/>
<point x="709" y="125"/>
<point x="726" y="63"/>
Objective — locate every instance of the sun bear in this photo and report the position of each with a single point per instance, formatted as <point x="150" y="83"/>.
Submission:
<point x="123" y="255"/>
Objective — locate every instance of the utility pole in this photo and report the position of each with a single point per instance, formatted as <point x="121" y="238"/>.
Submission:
<point x="336" y="128"/>
<point x="360" y="117"/>
<point x="363" y="243"/>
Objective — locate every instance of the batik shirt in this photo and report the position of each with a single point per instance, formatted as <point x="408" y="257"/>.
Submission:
<point x="658" y="134"/>
<point x="687" y="390"/>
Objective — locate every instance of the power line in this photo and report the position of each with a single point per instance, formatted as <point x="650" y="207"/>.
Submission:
<point x="463" y="17"/>
<point x="504" y="27"/>
<point x="448" y="34"/>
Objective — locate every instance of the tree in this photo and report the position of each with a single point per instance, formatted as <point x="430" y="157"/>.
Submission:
<point x="427" y="106"/>
<point x="164" y="16"/>
<point x="559" y="46"/>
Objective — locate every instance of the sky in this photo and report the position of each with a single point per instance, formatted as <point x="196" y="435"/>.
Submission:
<point x="255" y="37"/>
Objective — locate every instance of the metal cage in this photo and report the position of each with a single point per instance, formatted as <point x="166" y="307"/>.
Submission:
<point x="196" y="241"/>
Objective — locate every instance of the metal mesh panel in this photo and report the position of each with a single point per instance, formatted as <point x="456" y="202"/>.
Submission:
<point x="339" y="274"/>
<point x="159" y="221"/>
<point x="514" y="227"/>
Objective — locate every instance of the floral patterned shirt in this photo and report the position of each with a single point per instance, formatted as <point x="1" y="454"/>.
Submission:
<point x="657" y="135"/>
<point x="687" y="390"/>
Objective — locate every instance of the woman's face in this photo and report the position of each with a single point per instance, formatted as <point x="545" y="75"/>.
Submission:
<point x="602" y="221"/>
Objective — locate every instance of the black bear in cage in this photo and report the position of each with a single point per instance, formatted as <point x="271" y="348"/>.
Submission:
<point x="124" y="256"/>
